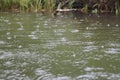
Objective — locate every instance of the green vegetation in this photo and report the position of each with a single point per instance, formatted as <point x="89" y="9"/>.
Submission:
<point x="26" y="5"/>
<point x="35" y="6"/>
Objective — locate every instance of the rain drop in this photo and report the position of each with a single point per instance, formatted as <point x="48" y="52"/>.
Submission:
<point x="20" y="46"/>
<point x="74" y="55"/>
<point x="87" y="28"/>
<point x="8" y="33"/>
<point x="9" y="37"/>
<point x="102" y="46"/>
<point x="116" y="25"/>
<point x="108" y="25"/>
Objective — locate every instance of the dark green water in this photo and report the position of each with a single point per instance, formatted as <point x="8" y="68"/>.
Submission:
<point x="41" y="47"/>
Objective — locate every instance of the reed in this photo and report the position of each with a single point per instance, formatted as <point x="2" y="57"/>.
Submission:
<point x="37" y="5"/>
<point x="32" y="5"/>
<point x="27" y="5"/>
<point x="5" y="5"/>
<point x="24" y="5"/>
<point x="49" y="5"/>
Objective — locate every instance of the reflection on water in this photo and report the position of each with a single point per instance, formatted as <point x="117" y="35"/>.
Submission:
<point x="39" y="47"/>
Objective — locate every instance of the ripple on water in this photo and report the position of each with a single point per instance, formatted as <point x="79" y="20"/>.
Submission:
<point x="86" y="77"/>
<point x="50" y="45"/>
<point x="73" y="43"/>
<point x="7" y="21"/>
<point x="21" y="26"/>
<point x="9" y="37"/>
<point x="20" y="29"/>
<point x="99" y="76"/>
<point x="59" y="31"/>
<point x="114" y="44"/>
<point x="63" y="39"/>
<point x="2" y="42"/>
<point x="87" y="35"/>
<point x="44" y="75"/>
<point x="93" y="69"/>
<point x="8" y="64"/>
<point x="90" y="48"/>
<point x="40" y="72"/>
<point x="4" y="54"/>
<point x="50" y="77"/>
<point x="13" y="75"/>
<point x="74" y="30"/>
<point x="8" y="33"/>
<point x="54" y="43"/>
<point x="33" y="36"/>
<point x="114" y="48"/>
<point x="63" y="78"/>
<point x="112" y="51"/>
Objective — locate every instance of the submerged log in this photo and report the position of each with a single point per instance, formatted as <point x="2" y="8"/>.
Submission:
<point x="92" y="6"/>
<point x="66" y="10"/>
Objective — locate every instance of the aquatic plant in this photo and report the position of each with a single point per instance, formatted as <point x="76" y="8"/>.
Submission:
<point x="35" y="5"/>
<point x="5" y="3"/>
<point x="24" y="5"/>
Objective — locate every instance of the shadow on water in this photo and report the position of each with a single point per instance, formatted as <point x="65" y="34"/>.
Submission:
<point x="41" y="47"/>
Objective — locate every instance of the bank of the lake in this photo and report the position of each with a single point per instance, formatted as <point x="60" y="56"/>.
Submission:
<point x="51" y="6"/>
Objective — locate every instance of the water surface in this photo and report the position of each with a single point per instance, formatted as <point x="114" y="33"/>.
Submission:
<point x="42" y="47"/>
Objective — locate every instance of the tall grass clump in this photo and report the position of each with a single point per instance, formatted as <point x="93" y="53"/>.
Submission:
<point x="15" y="6"/>
<point x="9" y="5"/>
<point x="49" y="5"/>
<point x="5" y="5"/>
<point x="26" y="5"/>
<point x="36" y="5"/>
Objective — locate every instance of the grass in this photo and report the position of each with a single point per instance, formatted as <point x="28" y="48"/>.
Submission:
<point x="26" y="5"/>
<point x="31" y="5"/>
